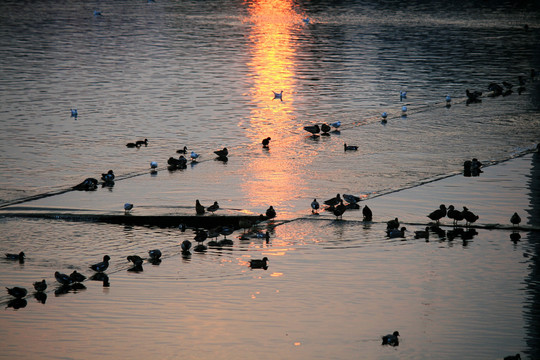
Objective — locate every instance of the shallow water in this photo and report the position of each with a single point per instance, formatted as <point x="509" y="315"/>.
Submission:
<point x="201" y="74"/>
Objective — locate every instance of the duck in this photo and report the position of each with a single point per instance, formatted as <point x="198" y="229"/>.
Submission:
<point x="448" y="100"/>
<point x="515" y="219"/>
<point x="315" y="206"/>
<point x="131" y="145"/>
<point x="128" y="207"/>
<point x="108" y="177"/>
<point x="199" y="209"/>
<point x="77" y="277"/>
<point x="367" y="213"/>
<point x="438" y="214"/>
<point x="351" y="199"/>
<point x="391" y="339"/>
<point x="17" y="292"/>
<point x="259" y="263"/>
<point x="473" y="97"/>
<point x="135" y="259"/>
<point x="454" y="214"/>
<point x="325" y="128"/>
<point x="182" y="151"/>
<point x="200" y="248"/>
<point x="222" y="153"/>
<point x="141" y="142"/>
<point x="336" y="124"/>
<point x="20" y="256"/>
<point x="422" y="234"/>
<point x="403" y="111"/>
<point x="384" y="115"/>
<point x="395" y="233"/>
<point x="513" y="357"/>
<point x="153" y="165"/>
<point x="101" y="266"/>
<point x="200" y="236"/>
<point x="350" y="147"/>
<point x="392" y="224"/>
<point x="270" y="212"/>
<point x="89" y="184"/>
<point x="194" y="156"/>
<point x="63" y="279"/>
<point x="136" y="268"/>
<point x="226" y="230"/>
<point x="266" y="142"/>
<point x="340" y="210"/>
<point x="333" y="201"/>
<point x="154" y="254"/>
<point x="97" y="13"/>
<point x="40" y="286"/>
<point x="313" y="129"/>
<point x="402" y="95"/>
<point x="213" y="208"/>
<point x="186" y="245"/>
<point x="469" y="216"/>
<point x="74" y="113"/>
<point x="278" y="95"/>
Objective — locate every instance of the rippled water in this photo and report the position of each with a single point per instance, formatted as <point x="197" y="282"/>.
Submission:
<point x="201" y="74"/>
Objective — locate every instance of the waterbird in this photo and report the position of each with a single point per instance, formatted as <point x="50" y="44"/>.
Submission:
<point x="186" y="245"/>
<point x="97" y="13"/>
<point x="182" y="151"/>
<point x="315" y="206"/>
<point x="199" y="209"/>
<point x="266" y="142"/>
<point x="194" y="156"/>
<point x="222" y="153"/>
<point x="259" y="263"/>
<point x="513" y="357"/>
<point x="438" y="214"/>
<point x="153" y="164"/>
<point x="333" y="201"/>
<point x="403" y="110"/>
<point x="270" y="212"/>
<point x="135" y="259"/>
<point x="515" y="219"/>
<point x="74" y="113"/>
<point x="77" y="277"/>
<point x="402" y="95"/>
<point x="391" y="339"/>
<point x="392" y="224"/>
<point x="17" y="292"/>
<point x="20" y="256"/>
<point x="200" y="236"/>
<point x="384" y="115"/>
<point x="89" y="184"/>
<point x="422" y="234"/>
<point x="101" y="266"/>
<point x="131" y="145"/>
<point x="351" y="199"/>
<point x="214" y="207"/>
<point x="454" y="214"/>
<point x="141" y="142"/>
<point x="336" y="124"/>
<point x="313" y="129"/>
<point x="395" y="233"/>
<point x="226" y="230"/>
<point x="63" y="279"/>
<point x="154" y="254"/>
<point x="325" y="128"/>
<point x="128" y="207"/>
<point x="469" y="216"/>
<point x="108" y="177"/>
<point x="473" y="97"/>
<point x="367" y="213"/>
<point x="278" y="95"/>
<point x="349" y="147"/>
<point x="448" y="100"/>
<point x="40" y="286"/>
<point x="340" y="210"/>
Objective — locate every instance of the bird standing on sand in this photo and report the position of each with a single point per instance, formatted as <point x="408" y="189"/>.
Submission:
<point x="438" y="214"/>
<point x="367" y="213"/>
<point x="278" y="95"/>
<point x="101" y="266"/>
<point x="313" y="129"/>
<point x="391" y="339"/>
<point x="214" y="207"/>
<point x="454" y="214"/>
<point x="199" y="209"/>
<point x="515" y="219"/>
<point x="266" y="142"/>
<point x="315" y="206"/>
<point x="127" y="207"/>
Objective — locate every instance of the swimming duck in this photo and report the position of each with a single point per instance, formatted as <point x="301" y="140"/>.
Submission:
<point x="315" y="206"/>
<point x="214" y="207"/>
<point x="77" y="277"/>
<point x="89" y="184"/>
<point x="40" y="286"/>
<point x="136" y="268"/>
<point x="313" y="129"/>
<point x="141" y="142"/>
<point x="391" y="339"/>
<point x="438" y="214"/>
<point x="17" y="292"/>
<point x="63" y="279"/>
<point x="278" y="95"/>
<point x="199" y="209"/>
<point x="128" y="207"/>
<point x="395" y="233"/>
<point x="154" y="254"/>
<point x="270" y="212"/>
<point x="194" y="156"/>
<point x="222" y="153"/>
<point x="473" y="97"/>
<point x="182" y="151"/>
<point x="422" y="234"/>
<point x="74" y="113"/>
<point x="333" y="201"/>
<point x="340" y="210"/>
<point x="20" y="256"/>
<point x="515" y="219"/>
<point x="266" y="142"/>
<point x="186" y="245"/>
<point x="259" y="263"/>
<point x="392" y="224"/>
<point x="367" y="213"/>
<point x="131" y="145"/>
<point x="469" y="216"/>
<point x="135" y="259"/>
<point x="97" y="13"/>
<point x="101" y="266"/>
<point x="108" y="177"/>
<point x="350" y="147"/>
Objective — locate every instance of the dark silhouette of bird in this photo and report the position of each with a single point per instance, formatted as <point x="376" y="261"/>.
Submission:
<point x="135" y="259"/>
<point x="340" y="210"/>
<point x="325" y="128"/>
<point x="422" y="234"/>
<point x="141" y="142"/>
<point x="20" y="256"/>
<point x="351" y="199"/>
<point x="108" y="177"/>
<point x="266" y="142"/>
<point x="128" y="207"/>
<point x="63" y="279"/>
<point x="259" y="263"/>
<point x="182" y="151"/>
<point x="395" y="233"/>
<point x="101" y="266"/>
<point x="313" y="129"/>
<point x="40" y="286"/>
<point x="186" y="245"/>
<point x="154" y="254"/>
<point x="315" y="206"/>
<point x="226" y="230"/>
<point x="222" y="153"/>
<point x="350" y="147"/>
<point x="199" y="209"/>
<point x="438" y="214"/>
<point x="77" y="277"/>
<point x="131" y="145"/>
<point x="270" y="212"/>
<point x="513" y="357"/>
<point x="515" y="219"/>
<point x="200" y="236"/>
<point x="392" y="224"/>
<point x="278" y="95"/>
<point x="454" y="214"/>
<point x="333" y="201"/>
<point x="367" y="213"/>
<point x="17" y="292"/>
<point x="213" y="208"/>
<point x="473" y="97"/>
<point x="469" y="216"/>
<point x="391" y="339"/>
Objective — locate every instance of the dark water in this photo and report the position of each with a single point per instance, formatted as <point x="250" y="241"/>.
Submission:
<point x="201" y="74"/>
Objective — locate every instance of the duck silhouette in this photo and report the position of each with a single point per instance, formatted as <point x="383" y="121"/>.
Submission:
<point x="395" y="233"/>
<point x="101" y="266"/>
<point x="213" y="208"/>
<point x="515" y="219"/>
<point x="62" y="278"/>
<point x="40" y="286"/>
<point x="438" y="214"/>
<point x="266" y="142"/>
<point x="199" y="209"/>
<point x="350" y="147"/>
<point x="315" y="206"/>
<point x="391" y="339"/>
<point x="20" y="256"/>
<point x="367" y="213"/>
<point x="259" y="263"/>
<point x="17" y="292"/>
<point x="313" y="129"/>
<point x="278" y="95"/>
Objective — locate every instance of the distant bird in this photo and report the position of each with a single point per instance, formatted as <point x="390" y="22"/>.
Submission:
<point x="515" y="236"/>
<point x="403" y="110"/>
<point x="515" y="219"/>
<point x="142" y="142"/>
<point x="199" y="209"/>
<point x="17" y="292"/>
<point x="315" y="206"/>
<point x="313" y="129"/>
<point x="128" y="207"/>
<point x="340" y="210"/>
<point x="266" y="142"/>
<point x="351" y="199"/>
<point x="469" y="216"/>
<point x="473" y="97"/>
<point x="194" y="156"/>
<point x="40" y="286"/>
<point x="306" y="20"/>
<point x="402" y="95"/>
<point x="336" y="124"/>
<point x="384" y="115"/>
<point x="97" y="13"/>
<point x="186" y="245"/>
<point x="278" y="95"/>
<point x="438" y="214"/>
<point x="325" y="128"/>
<point x="350" y="147"/>
<point x="135" y="259"/>
<point x="513" y="357"/>
<point x="222" y="153"/>
<point x="153" y="164"/>
<point x="226" y="230"/>
<point x="391" y="339"/>
<point x="454" y="214"/>
<point x="131" y="145"/>
<point x="213" y="208"/>
<point x="74" y="113"/>
<point x="77" y="277"/>
<point x="270" y="212"/>
<point x="392" y="224"/>
<point x="20" y="256"/>
<point x="200" y="236"/>
<point x="366" y="212"/>
<point x="333" y="201"/>
<point x="154" y="254"/>
<point x="63" y="279"/>
<point x="182" y="151"/>
<point x="108" y="177"/>
<point x="101" y="266"/>
<point x="422" y="234"/>
<point x="395" y="233"/>
<point x="448" y="100"/>
<point x="259" y="263"/>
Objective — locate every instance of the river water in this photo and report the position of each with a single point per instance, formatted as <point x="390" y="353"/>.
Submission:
<point x="201" y="74"/>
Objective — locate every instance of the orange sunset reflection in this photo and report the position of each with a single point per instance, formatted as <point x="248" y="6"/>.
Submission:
<point x="272" y="179"/>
